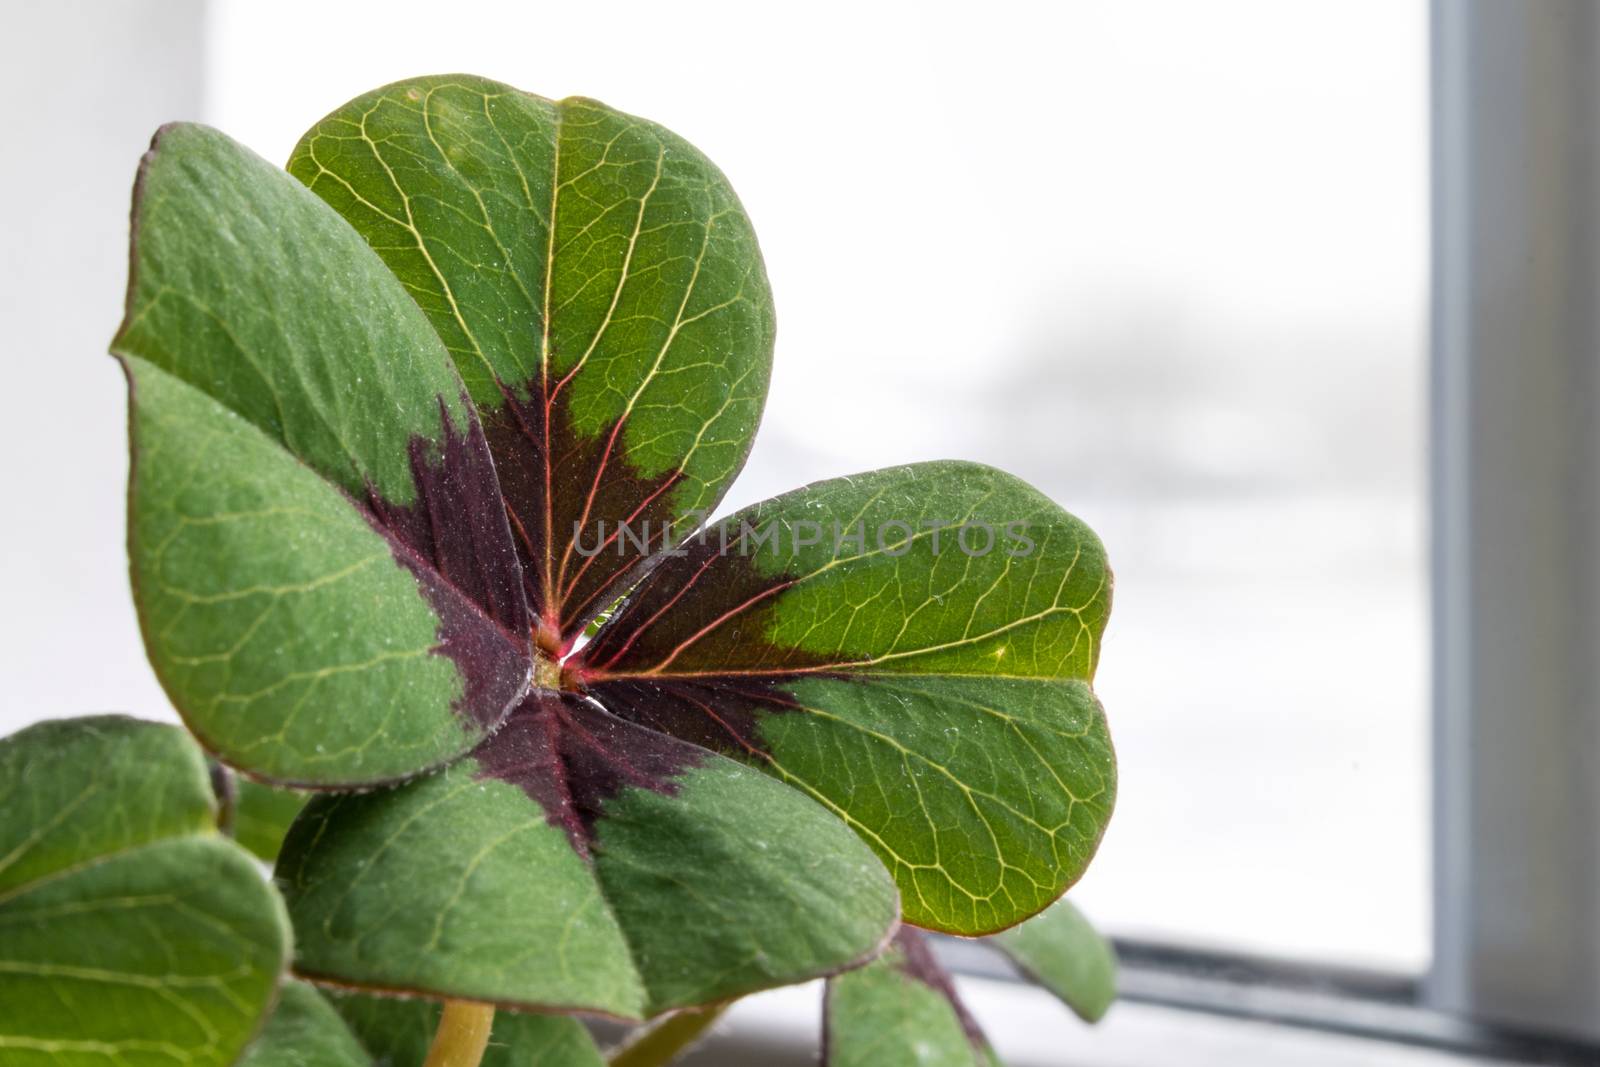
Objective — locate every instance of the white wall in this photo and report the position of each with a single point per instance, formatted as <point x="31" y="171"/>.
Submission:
<point x="85" y="84"/>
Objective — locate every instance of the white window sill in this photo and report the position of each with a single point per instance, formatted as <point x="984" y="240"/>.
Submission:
<point x="1029" y="1028"/>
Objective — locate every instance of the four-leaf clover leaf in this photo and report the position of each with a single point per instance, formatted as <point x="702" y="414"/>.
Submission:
<point x="411" y="416"/>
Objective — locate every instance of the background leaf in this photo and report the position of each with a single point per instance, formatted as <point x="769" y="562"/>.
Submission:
<point x="129" y="930"/>
<point x="398" y="1032"/>
<point x="1061" y="951"/>
<point x="305" y="1031"/>
<point x="262" y="815"/>
<point x="577" y="861"/>
<point x="901" y="1010"/>
<point x="314" y="520"/>
<point x="600" y="288"/>
<point x="936" y="698"/>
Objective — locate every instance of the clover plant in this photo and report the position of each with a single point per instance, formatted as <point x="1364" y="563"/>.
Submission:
<point x="425" y="430"/>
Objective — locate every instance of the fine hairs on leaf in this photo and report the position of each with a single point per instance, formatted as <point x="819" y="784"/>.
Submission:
<point x="424" y="432"/>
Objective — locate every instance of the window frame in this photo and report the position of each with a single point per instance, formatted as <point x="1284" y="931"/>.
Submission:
<point x="1515" y="513"/>
<point x="1375" y="1005"/>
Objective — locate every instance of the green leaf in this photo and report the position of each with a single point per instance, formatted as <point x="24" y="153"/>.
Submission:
<point x="305" y="1031"/>
<point x="387" y="427"/>
<point x="262" y="815"/>
<point x="327" y="587"/>
<point x="600" y="288"/>
<point x="935" y="696"/>
<point x="1061" y="951"/>
<point x="901" y="1010"/>
<point x="399" y="1031"/>
<point x="130" y="931"/>
<point x="579" y="862"/>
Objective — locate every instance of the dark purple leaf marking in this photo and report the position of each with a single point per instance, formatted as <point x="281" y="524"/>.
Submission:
<point x="455" y="522"/>
<point x="454" y="539"/>
<point x="716" y="709"/>
<point x="555" y="481"/>
<point x="569" y="756"/>
<point x="723" y="715"/>
<point x="662" y="619"/>
<point x="738" y="674"/>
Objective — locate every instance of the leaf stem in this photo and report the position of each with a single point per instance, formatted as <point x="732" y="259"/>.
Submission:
<point x="462" y="1036"/>
<point x="666" y="1040"/>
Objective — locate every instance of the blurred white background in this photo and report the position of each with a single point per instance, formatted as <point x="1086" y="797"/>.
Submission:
<point x="1165" y="260"/>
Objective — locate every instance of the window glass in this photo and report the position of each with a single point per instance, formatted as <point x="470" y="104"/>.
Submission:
<point x="1163" y="259"/>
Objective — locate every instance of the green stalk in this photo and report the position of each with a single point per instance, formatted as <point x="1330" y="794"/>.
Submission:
<point x="462" y="1036"/>
<point x="662" y="1043"/>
